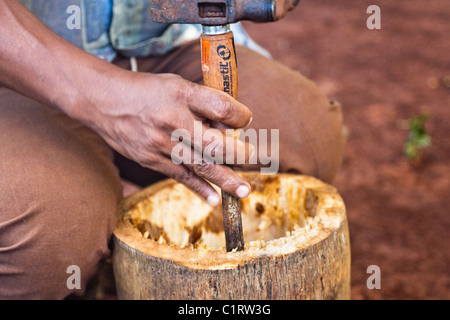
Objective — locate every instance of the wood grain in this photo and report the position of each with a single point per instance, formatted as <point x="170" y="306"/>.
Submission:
<point x="311" y="263"/>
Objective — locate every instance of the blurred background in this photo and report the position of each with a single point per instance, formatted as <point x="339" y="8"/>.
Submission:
<point x="394" y="86"/>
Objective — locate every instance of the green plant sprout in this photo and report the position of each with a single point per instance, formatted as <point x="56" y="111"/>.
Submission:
<point x="418" y="138"/>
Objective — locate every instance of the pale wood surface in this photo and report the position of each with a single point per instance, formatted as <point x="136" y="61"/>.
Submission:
<point x="310" y="263"/>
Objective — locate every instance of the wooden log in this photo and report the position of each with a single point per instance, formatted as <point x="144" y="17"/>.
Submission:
<point x="170" y="245"/>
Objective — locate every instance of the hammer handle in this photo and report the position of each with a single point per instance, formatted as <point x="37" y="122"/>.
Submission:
<point x="220" y="71"/>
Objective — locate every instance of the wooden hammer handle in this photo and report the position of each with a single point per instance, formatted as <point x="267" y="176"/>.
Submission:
<point x="220" y="71"/>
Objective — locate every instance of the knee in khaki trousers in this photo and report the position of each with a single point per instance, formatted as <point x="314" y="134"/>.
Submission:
<point x="60" y="187"/>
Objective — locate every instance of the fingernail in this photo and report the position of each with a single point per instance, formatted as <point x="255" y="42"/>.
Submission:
<point x="250" y="122"/>
<point x="243" y="192"/>
<point x="213" y="200"/>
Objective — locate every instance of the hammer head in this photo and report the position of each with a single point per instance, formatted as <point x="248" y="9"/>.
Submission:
<point x="212" y="12"/>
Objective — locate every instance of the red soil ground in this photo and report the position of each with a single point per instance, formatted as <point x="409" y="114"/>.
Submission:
<point x="399" y="215"/>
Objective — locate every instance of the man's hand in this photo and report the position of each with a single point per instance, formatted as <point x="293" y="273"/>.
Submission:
<point x="139" y="112"/>
<point x="135" y="113"/>
<point x="284" y="6"/>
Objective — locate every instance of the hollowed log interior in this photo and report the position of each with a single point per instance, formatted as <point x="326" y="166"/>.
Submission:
<point x="169" y="244"/>
<point x="176" y="217"/>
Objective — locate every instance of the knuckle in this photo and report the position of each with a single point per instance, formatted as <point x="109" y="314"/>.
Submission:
<point x="223" y="110"/>
<point x="186" y="177"/>
<point x="173" y="85"/>
<point x="204" y="169"/>
<point x="167" y="122"/>
<point x="181" y="88"/>
<point x="229" y="185"/>
<point x="158" y="121"/>
<point x="214" y="149"/>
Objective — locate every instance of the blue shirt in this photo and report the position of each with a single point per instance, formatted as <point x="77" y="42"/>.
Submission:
<point x="109" y="27"/>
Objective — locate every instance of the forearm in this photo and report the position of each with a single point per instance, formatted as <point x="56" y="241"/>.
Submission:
<point x="136" y="113"/>
<point x="37" y="63"/>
